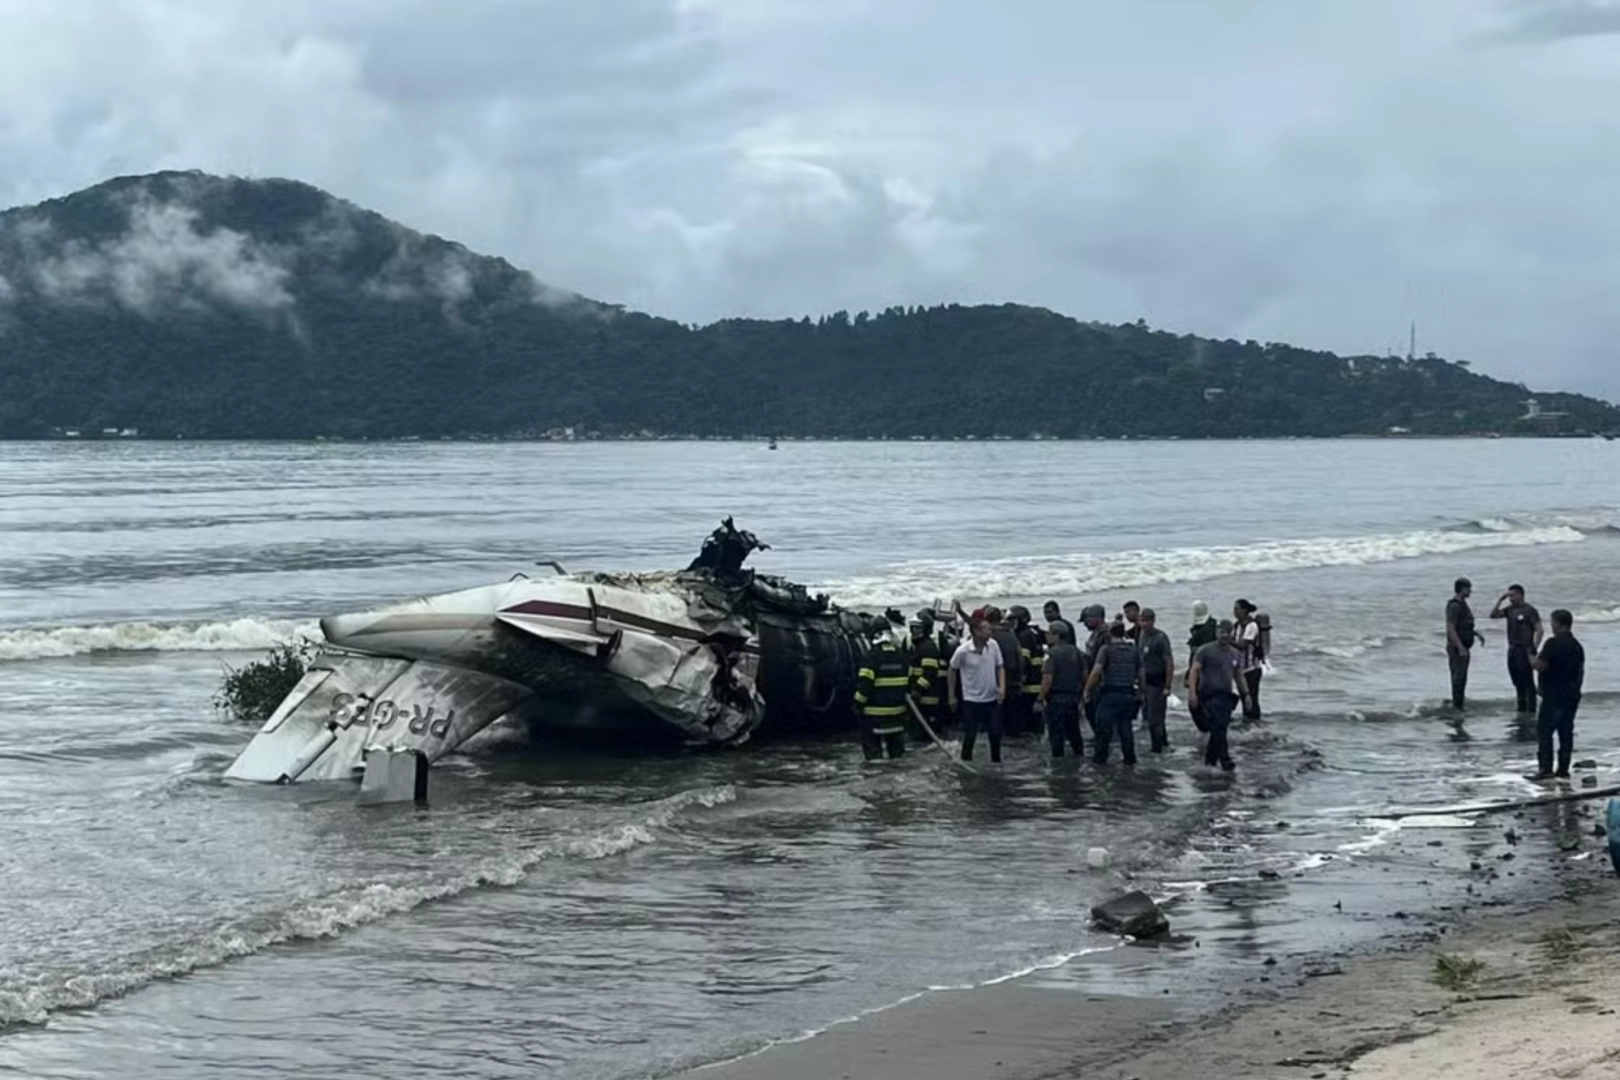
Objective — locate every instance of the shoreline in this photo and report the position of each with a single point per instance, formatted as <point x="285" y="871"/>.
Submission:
<point x="802" y="440"/>
<point x="1546" y="984"/>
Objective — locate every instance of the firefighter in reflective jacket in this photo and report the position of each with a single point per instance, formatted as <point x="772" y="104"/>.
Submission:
<point x="928" y="671"/>
<point x="880" y="697"/>
<point x="1032" y="650"/>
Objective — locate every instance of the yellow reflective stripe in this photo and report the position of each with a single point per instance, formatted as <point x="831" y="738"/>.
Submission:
<point x="864" y="673"/>
<point x="930" y="661"/>
<point x="890" y="683"/>
<point x="886" y="710"/>
<point x="860" y="697"/>
<point x="928" y="700"/>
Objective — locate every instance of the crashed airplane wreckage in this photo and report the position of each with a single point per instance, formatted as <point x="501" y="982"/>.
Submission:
<point x="707" y="654"/>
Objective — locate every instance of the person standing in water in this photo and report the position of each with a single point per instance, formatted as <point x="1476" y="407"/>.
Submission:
<point x="1061" y="683"/>
<point x="1523" y="641"/>
<point x="1460" y="638"/>
<point x="1158" y="666"/>
<point x="1562" y="665"/>
<point x="1115" y="684"/>
<point x="1013" y="706"/>
<point x="881" y="690"/>
<point x="1247" y="638"/>
<point x="1214" y="690"/>
<point x="1054" y="617"/>
<point x="1133" y="614"/>
<point x="1203" y="633"/>
<point x="1094" y="620"/>
<point x="979" y="682"/>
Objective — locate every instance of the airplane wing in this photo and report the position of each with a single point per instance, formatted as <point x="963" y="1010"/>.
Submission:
<point x="348" y="704"/>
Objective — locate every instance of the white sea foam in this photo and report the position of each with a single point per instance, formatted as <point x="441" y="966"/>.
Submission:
<point x="922" y="581"/>
<point x="1598" y="615"/>
<point x="31" y="999"/>
<point x="235" y="635"/>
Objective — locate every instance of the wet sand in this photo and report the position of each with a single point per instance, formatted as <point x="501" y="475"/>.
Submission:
<point x="1541" y="1005"/>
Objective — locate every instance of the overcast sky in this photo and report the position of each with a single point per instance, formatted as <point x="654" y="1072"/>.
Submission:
<point x="1314" y="171"/>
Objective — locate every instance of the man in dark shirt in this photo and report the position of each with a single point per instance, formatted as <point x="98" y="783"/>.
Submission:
<point x="1158" y="664"/>
<point x="1061" y="683"/>
<point x="1133" y="623"/>
<point x="1014" y="707"/>
<point x="1093" y="619"/>
<point x="1054" y="615"/>
<point x="1460" y="637"/>
<point x="1562" y="664"/>
<point x="1523" y="639"/>
<point x="1214" y="689"/>
<point x="1115" y="684"/>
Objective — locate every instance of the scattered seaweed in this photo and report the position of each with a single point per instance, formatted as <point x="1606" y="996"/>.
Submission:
<point x="250" y="693"/>
<point x="1457" y="974"/>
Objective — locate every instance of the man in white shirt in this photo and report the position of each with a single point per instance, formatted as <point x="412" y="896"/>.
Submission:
<point x="979" y="681"/>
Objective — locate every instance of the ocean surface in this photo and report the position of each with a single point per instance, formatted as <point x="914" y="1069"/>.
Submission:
<point x="560" y="913"/>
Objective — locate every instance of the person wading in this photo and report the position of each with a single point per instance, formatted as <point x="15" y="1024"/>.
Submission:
<point x="1094" y="618"/>
<point x="1247" y="639"/>
<point x="1523" y="641"/>
<point x="1115" y="684"/>
<point x="1132" y="614"/>
<point x="1214" y="691"/>
<point x="979" y="683"/>
<point x="1562" y="665"/>
<point x="1061" y="687"/>
<point x="1054" y="616"/>
<point x="1032" y="654"/>
<point x="881" y="685"/>
<point x="1158" y="666"/>
<point x="928" y="671"/>
<point x="1460" y="638"/>
<point x="1203" y="633"/>
<point x="1015" y="705"/>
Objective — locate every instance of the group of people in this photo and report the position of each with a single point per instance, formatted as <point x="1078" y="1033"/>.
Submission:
<point x="1559" y="660"/>
<point x="1007" y="677"/>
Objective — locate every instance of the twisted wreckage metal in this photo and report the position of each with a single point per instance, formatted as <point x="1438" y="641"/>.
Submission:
<point x="707" y="654"/>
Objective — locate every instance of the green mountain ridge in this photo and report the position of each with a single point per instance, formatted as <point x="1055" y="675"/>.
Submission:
<point x="209" y="307"/>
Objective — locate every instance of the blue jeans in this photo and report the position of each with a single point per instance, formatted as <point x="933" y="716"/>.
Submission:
<point x="1557" y="718"/>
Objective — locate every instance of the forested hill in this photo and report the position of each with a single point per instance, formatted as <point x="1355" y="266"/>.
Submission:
<point x="185" y="304"/>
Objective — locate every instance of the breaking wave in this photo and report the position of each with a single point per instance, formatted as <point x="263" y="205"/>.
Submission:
<point x="926" y="580"/>
<point x="237" y="634"/>
<point x="32" y="1000"/>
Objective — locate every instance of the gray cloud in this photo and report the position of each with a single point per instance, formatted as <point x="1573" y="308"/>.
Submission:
<point x="1552" y="20"/>
<point x="161" y="260"/>
<point x="1320" y="173"/>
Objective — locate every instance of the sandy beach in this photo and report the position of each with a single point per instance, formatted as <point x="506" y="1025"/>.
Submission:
<point x="1501" y="992"/>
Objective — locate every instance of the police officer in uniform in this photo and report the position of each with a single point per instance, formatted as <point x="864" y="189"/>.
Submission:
<point x="1094" y="621"/>
<point x="880" y="697"/>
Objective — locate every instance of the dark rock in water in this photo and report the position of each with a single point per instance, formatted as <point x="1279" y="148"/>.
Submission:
<point x="1588" y="781"/>
<point x="1589" y="763"/>
<point x="1599" y="830"/>
<point x="1269" y="875"/>
<point x="1134" y="914"/>
<point x="1511" y="837"/>
<point x="1569" y="843"/>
